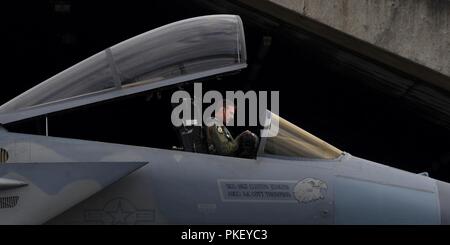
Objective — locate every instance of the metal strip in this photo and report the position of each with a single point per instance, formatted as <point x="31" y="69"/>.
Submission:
<point x="46" y="125"/>
<point x="113" y="68"/>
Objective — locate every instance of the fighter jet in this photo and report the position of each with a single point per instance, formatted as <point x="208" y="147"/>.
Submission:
<point x="293" y="178"/>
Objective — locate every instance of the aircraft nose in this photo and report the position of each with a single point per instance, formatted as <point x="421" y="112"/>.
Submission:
<point x="444" y="201"/>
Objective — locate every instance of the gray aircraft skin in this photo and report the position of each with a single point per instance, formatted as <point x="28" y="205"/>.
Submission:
<point x="295" y="178"/>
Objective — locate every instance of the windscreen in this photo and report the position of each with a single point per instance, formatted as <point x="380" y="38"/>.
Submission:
<point x="292" y="141"/>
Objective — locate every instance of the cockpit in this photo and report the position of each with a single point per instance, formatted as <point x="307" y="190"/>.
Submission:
<point x="289" y="141"/>
<point x="171" y="58"/>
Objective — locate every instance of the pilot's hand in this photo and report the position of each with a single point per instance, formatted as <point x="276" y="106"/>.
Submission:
<point x="238" y="138"/>
<point x="250" y="134"/>
<point x="248" y="143"/>
<point x="246" y="137"/>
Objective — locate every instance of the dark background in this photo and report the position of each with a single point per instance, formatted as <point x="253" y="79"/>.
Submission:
<point x="43" y="38"/>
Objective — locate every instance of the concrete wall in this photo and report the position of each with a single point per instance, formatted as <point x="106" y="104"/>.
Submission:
<point x="418" y="30"/>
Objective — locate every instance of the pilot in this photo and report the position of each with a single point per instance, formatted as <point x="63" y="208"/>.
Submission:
<point x="221" y="142"/>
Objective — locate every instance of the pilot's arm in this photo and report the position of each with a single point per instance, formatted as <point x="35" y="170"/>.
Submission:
<point x="220" y="141"/>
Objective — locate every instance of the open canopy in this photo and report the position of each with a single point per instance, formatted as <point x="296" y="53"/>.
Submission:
<point x="175" y="53"/>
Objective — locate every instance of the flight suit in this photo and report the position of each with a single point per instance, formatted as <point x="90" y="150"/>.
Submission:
<point x="220" y="141"/>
